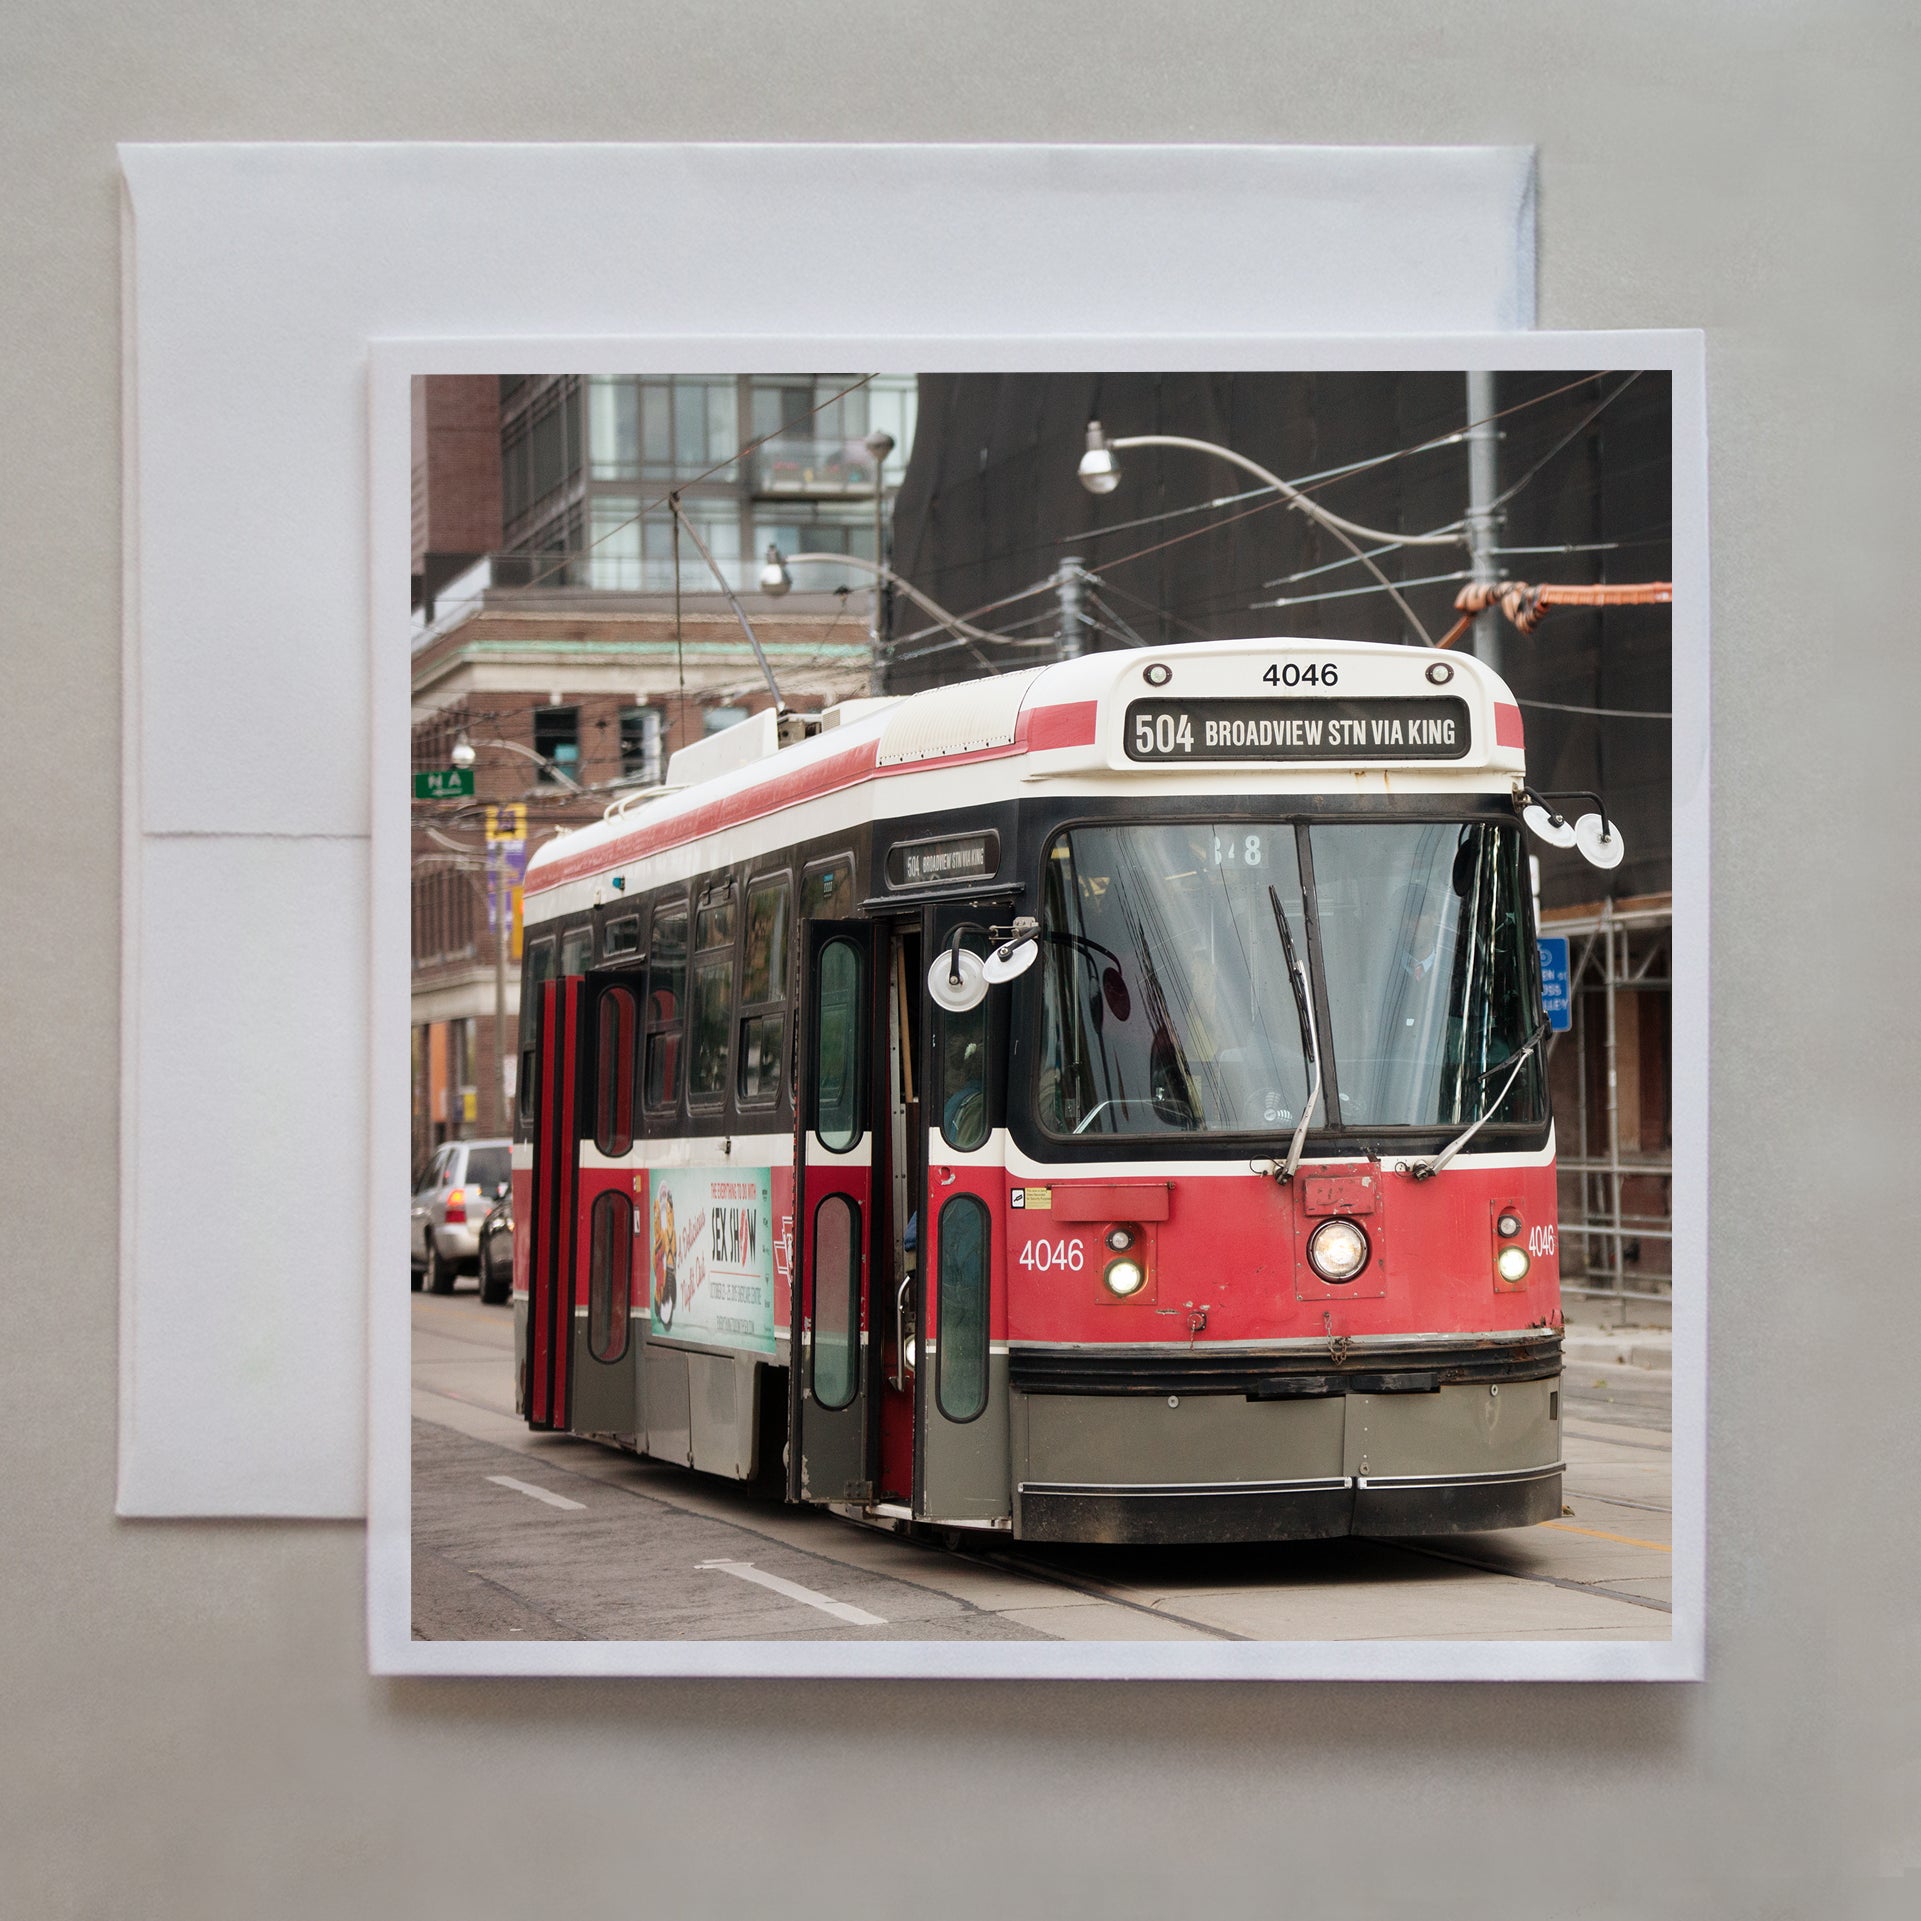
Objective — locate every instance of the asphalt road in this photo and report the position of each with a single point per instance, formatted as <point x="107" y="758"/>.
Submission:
<point x="521" y="1535"/>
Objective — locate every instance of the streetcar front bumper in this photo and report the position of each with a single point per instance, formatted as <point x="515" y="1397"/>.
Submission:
<point x="1401" y="1439"/>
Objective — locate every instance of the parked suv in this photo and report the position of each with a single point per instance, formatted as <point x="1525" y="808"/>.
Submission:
<point x="451" y="1199"/>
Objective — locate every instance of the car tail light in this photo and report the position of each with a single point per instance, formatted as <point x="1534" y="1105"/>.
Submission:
<point x="456" y="1207"/>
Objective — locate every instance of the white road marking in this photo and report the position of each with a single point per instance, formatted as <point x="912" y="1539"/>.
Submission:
<point x="539" y="1493"/>
<point x="841" y="1610"/>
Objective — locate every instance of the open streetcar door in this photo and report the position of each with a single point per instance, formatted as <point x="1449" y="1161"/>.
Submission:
<point x="828" y="1401"/>
<point x="554" y="1205"/>
<point x="610" y="1208"/>
<point x="961" y="1465"/>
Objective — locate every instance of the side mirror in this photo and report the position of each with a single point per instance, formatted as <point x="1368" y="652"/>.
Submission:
<point x="957" y="981"/>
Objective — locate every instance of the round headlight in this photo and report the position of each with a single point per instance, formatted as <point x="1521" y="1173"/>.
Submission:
<point x="1120" y="1239"/>
<point x="1125" y="1278"/>
<point x="1509" y="1224"/>
<point x="1512" y="1263"/>
<point x="1337" y="1250"/>
<point x="910" y="1352"/>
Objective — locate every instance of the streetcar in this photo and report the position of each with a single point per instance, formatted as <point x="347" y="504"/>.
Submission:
<point x="1102" y="1103"/>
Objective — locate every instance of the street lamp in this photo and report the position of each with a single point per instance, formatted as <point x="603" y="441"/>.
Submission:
<point x="463" y="756"/>
<point x="1100" y="473"/>
<point x="776" y="579"/>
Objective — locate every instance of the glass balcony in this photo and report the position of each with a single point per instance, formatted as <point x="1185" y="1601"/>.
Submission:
<point x="813" y="467"/>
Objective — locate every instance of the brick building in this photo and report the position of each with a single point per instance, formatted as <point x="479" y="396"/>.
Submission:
<point x="554" y="636"/>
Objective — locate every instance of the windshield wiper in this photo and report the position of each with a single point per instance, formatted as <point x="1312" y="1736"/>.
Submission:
<point x="1426" y="1170"/>
<point x="1297" y="979"/>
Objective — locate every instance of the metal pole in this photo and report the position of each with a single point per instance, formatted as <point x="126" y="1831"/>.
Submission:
<point x="1614" y="1099"/>
<point x="879" y="444"/>
<point x="1067" y="583"/>
<point x="1482" y="485"/>
<point x="503" y="909"/>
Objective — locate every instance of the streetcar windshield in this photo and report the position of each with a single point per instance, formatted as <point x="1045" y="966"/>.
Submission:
<point x="1165" y="1000"/>
<point x="1164" y="988"/>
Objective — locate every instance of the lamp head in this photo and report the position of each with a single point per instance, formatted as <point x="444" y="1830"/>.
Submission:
<point x="1100" y="471"/>
<point x="463" y="753"/>
<point x="774" y="577"/>
<point x="880" y="443"/>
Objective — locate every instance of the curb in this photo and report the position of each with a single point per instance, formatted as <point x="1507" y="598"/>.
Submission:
<point x="1632" y="1348"/>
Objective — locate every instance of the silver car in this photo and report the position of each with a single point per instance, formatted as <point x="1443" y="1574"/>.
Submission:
<point x="451" y="1199"/>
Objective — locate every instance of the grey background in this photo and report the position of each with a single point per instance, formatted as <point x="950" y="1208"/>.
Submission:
<point x="189" y="1727"/>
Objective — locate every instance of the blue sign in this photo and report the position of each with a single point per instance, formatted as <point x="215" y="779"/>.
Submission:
<point x="1556" y="990"/>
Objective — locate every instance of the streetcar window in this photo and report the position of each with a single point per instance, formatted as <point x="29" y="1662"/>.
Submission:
<point x="963" y="1074"/>
<point x="715" y="926"/>
<point x="960" y="1371"/>
<point x="837" y="1051"/>
<point x="764" y="972"/>
<point x="539" y="968"/>
<point x="610" y="1267"/>
<point x="827" y="889"/>
<point x="576" y="950"/>
<point x="1165" y="1002"/>
<point x="1426" y="930"/>
<point x="621" y="936"/>
<point x="666" y="987"/>
<point x="836" y="1300"/>
<point x="614" y="1072"/>
<point x="763" y="990"/>
<point x="713" y="1009"/>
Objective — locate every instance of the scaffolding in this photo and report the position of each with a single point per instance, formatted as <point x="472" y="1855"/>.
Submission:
<point x="1616" y="1170"/>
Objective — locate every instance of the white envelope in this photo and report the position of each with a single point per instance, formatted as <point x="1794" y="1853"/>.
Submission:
<point x="256" y="276"/>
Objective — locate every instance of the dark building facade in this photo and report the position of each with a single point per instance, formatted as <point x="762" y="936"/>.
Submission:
<point x="1188" y="547"/>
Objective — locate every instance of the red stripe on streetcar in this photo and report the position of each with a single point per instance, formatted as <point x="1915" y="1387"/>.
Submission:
<point x="1068" y="725"/>
<point x="1071" y="724"/>
<point x="1508" y="731"/>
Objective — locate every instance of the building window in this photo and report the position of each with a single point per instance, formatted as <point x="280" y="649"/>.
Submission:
<point x="634" y="553"/>
<point x="557" y="739"/>
<point x="681" y="428"/>
<point x="717" y="720"/>
<point x="540" y="449"/>
<point x="642" y="741"/>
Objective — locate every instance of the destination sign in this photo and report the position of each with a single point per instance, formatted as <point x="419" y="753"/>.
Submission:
<point x="931" y="863"/>
<point x="1351" y="728"/>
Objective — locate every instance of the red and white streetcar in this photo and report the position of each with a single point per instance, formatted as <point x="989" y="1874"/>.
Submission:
<point x="1103" y="1103"/>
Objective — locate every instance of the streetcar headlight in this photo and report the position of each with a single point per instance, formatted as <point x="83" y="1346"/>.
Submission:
<point x="1509" y="1225"/>
<point x="1120" y="1239"/>
<point x="1512" y="1263"/>
<point x="1125" y="1277"/>
<point x="1337" y="1250"/>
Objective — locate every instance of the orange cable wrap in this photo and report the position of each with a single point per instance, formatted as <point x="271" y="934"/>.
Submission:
<point x="1525" y="605"/>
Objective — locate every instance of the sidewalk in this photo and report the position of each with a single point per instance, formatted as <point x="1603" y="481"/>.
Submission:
<point x="1590" y="1344"/>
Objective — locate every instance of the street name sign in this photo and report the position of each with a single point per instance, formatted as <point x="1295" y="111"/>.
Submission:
<point x="445" y="783"/>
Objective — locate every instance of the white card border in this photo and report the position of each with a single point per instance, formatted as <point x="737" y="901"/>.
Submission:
<point x="392" y="365"/>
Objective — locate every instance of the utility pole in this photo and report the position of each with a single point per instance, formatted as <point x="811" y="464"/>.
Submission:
<point x="880" y="443"/>
<point x="503" y="912"/>
<point x="1482" y="484"/>
<point x="1067" y="583"/>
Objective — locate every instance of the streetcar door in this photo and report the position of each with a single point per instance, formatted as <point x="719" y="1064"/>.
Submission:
<point x="610" y="1209"/>
<point x="553" y="1206"/>
<point x="830" y="1458"/>
<point x="962" y="1466"/>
